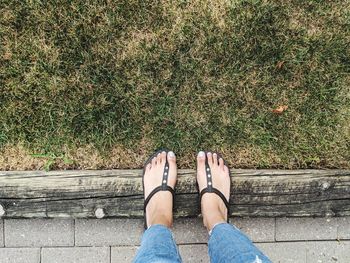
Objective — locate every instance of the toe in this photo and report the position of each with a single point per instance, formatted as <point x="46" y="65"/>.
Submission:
<point x="159" y="157"/>
<point x="172" y="169"/>
<point x="148" y="167"/>
<point x="171" y="157"/>
<point x="163" y="157"/>
<point x="154" y="161"/>
<point x="201" y="179"/>
<point x="201" y="161"/>
<point x="215" y="159"/>
<point x="210" y="158"/>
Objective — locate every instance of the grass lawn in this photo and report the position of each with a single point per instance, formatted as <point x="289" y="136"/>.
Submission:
<point x="101" y="84"/>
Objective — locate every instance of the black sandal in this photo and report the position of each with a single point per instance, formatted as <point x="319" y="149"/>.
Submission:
<point x="162" y="187"/>
<point x="211" y="189"/>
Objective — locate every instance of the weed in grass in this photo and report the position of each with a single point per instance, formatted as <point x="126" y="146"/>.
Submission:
<point x="51" y="159"/>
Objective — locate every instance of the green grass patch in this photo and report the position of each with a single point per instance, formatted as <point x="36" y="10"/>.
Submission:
<point x="132" y="76"/>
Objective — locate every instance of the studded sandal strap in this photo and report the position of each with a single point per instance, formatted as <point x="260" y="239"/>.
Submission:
<point x="165" y="175"/>
<point x="209" y="176"/>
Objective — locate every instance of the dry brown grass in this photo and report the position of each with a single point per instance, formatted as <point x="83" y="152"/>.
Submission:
<point x="17" y="157"/>
<point x="105" y="85"/>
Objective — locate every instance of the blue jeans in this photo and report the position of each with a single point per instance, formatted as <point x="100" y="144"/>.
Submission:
<point x="226" y="244"/>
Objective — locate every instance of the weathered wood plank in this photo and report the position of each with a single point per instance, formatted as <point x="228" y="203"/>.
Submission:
<point x="118" y="193"/>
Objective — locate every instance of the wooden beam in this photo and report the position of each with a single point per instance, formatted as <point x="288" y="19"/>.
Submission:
<point x="118" y="193"/>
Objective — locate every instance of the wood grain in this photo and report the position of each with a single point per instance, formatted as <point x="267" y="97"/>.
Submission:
<point x="118" y="193"/>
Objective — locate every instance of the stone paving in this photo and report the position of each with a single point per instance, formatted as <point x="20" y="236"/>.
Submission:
<point x="297" y="240"/>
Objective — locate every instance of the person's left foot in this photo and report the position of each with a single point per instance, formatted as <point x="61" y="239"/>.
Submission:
<point x="160" y="208"/>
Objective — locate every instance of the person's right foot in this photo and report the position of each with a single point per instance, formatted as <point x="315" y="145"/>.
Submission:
<point x="160" y="208"/>
<point x="214" y="210"/>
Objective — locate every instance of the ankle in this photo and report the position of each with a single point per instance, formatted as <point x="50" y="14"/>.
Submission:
<point x="158" y="211"/>
<point x="213" y="213"/>
<point x="212" y="220"/>
<point x="161" y="219"/>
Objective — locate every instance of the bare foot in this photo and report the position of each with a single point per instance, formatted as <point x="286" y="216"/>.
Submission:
<point x="160" y="208"/>
<point x="213" y="208"/>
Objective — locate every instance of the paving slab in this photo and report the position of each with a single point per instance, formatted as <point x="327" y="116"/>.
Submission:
<point x="194" y="253"/>
<point x="284" y="252"/>
<point x="38" y="232"/>
<point x="123" y="254"/>
<point x="76" y="255"/>
<point x="257" y="229"/>
<point x="108" y="232"/>
<point x="189" y="231"/>
<point x="1" y="233"/>
<point x="19" y="255"/>
<point x="124" y="236"/>
<point x="343" y="228"/>
<point x="288" y="229"/>
<point x="328" y="252"/>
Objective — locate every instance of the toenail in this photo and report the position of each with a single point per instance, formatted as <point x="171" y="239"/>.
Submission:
<point x="201" y="154"/>
<point x="171" y="154"/>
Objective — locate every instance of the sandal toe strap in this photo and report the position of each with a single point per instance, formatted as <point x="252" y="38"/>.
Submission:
<point x="215" y="191"/>
<point x="156" y="190"/>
